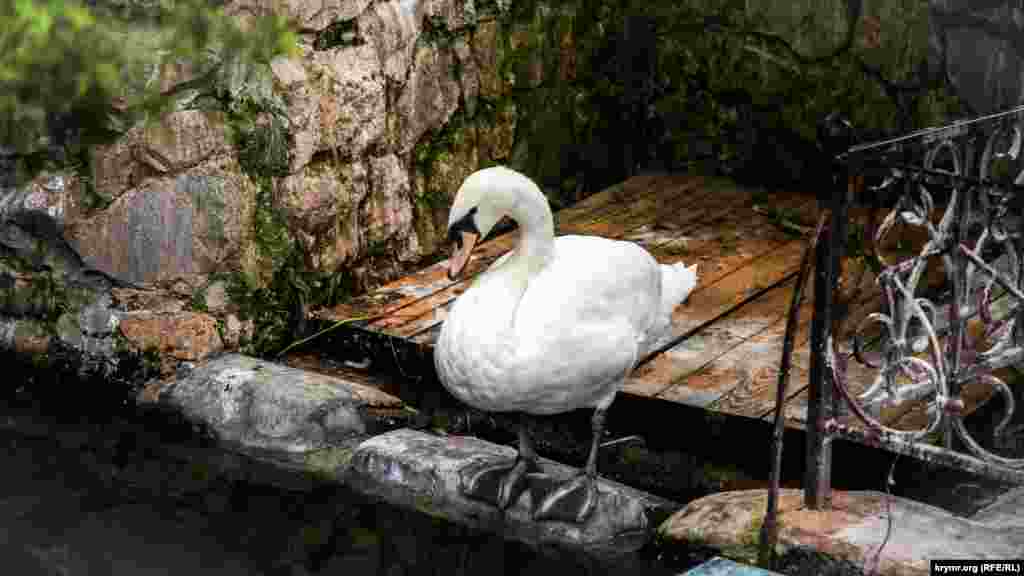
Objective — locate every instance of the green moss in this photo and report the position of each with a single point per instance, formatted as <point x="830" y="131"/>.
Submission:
<point x="435" y="32"/>
<point x="438" y="146"/>
<point x="207" y="193"/>
<point x="744" y="548"/>
<point x="92" y="199"/>
<point x="256" y="118"/>
<point x="288" y="288"/>
<point x="197" y="301"/>
<point x="326" y="464"/>
<point x="262" y="147"/>
<point x="46" y="298"/>
<point x="149" y="360"/>
<point x="718" y="69"/>
<point x="492" y="9"/>
<point x="341" y="33"/>
<point x="364" y="538"/>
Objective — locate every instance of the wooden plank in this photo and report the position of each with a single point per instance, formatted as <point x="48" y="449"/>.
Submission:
<point x="707" y="366"/>
<point x="737" y="371"/>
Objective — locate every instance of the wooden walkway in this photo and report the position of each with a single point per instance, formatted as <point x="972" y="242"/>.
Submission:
<point x="727" y="337"/>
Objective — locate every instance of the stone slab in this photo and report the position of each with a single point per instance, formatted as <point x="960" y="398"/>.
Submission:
<point x="719" y="566"/>
<point x="416" y="470"/>
<point x="854" y="530"/>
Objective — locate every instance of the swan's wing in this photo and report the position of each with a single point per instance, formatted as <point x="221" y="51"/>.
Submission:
<point x="592" y="280"/>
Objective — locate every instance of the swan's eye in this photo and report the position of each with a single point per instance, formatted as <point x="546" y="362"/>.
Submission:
<point x="466" y="223"/>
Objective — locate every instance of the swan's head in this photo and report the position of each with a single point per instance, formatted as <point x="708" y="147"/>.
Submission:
<point x="483" y="199"/>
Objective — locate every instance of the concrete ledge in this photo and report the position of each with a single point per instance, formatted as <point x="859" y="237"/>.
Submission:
<point x="1007" y="511"/>
<point x="292" y="418"/>
<point x="719" y="566"/>
<point x="413" y="469"/>
<point x="850" y="532"/>
<point x="344" y="432"/>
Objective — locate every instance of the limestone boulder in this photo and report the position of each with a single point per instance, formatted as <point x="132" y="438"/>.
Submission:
<point x="336" y="102"/>
<point x="114" y="169"/>
<point x="386" y="216"/>
<point x="278" y="412"/>
<point x="468" y="73"/>
<point x="392" y="28"/>
<point x="321" y="205"/>
<point x="428" y="99"/>
<point x="292" y="80"/>
<point x="485" y="45"/>
<point x="453" y="15"/>
<point x="177" y="142"/>
<point x="182" y="140"/>
<point x="194" y="223"/>
<point x="184" y="335"/>
<point x="353" y="106"/>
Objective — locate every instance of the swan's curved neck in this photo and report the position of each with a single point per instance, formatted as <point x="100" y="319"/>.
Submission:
<point x="536" y="232"/>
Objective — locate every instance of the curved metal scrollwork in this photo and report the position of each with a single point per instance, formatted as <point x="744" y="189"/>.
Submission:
<point x="919" y="346"/>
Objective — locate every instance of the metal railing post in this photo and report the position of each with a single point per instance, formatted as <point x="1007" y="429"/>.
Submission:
<point x="818" y="471"/>
<point x="817" y="480"/>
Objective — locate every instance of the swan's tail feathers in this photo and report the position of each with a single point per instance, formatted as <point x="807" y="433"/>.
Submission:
<point x="677" y="281"/>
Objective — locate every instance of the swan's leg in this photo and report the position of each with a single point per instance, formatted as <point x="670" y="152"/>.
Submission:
<point x="576" y="499"/>
<point x="501" y="484"/>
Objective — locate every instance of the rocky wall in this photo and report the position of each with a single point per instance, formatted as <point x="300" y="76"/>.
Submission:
<point x="286" y="187"/>
<point x="977" y="47"/>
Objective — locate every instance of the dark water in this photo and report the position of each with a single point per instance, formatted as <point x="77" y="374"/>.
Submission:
<point x="92" y="484"/>
<point x="88" y="507"/>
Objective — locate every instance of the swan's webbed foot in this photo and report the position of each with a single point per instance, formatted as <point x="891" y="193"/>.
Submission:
<point x="572" y="501"/>
<point x="500" y="484"/>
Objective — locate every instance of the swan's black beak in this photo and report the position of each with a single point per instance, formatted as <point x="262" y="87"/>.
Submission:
<point x="464" y="244"/>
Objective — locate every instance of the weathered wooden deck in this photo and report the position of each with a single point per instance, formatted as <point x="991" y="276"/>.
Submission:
<point x="727" y="337"/>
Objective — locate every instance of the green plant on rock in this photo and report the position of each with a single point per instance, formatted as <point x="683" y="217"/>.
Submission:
<point x="437" y="146"/>
<point x="80" y="165"/>
<point x="341" y="33"/>
<point x="262" y="144"/>
<point x="197" y="301"/>
<point x="278" y="302"/>
<point x="256" y="116"/>
<point x="435" y="32"/>
<point x="89" y="68"/>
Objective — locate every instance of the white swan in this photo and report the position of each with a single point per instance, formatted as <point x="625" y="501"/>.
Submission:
<point x="552" y="326"/>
